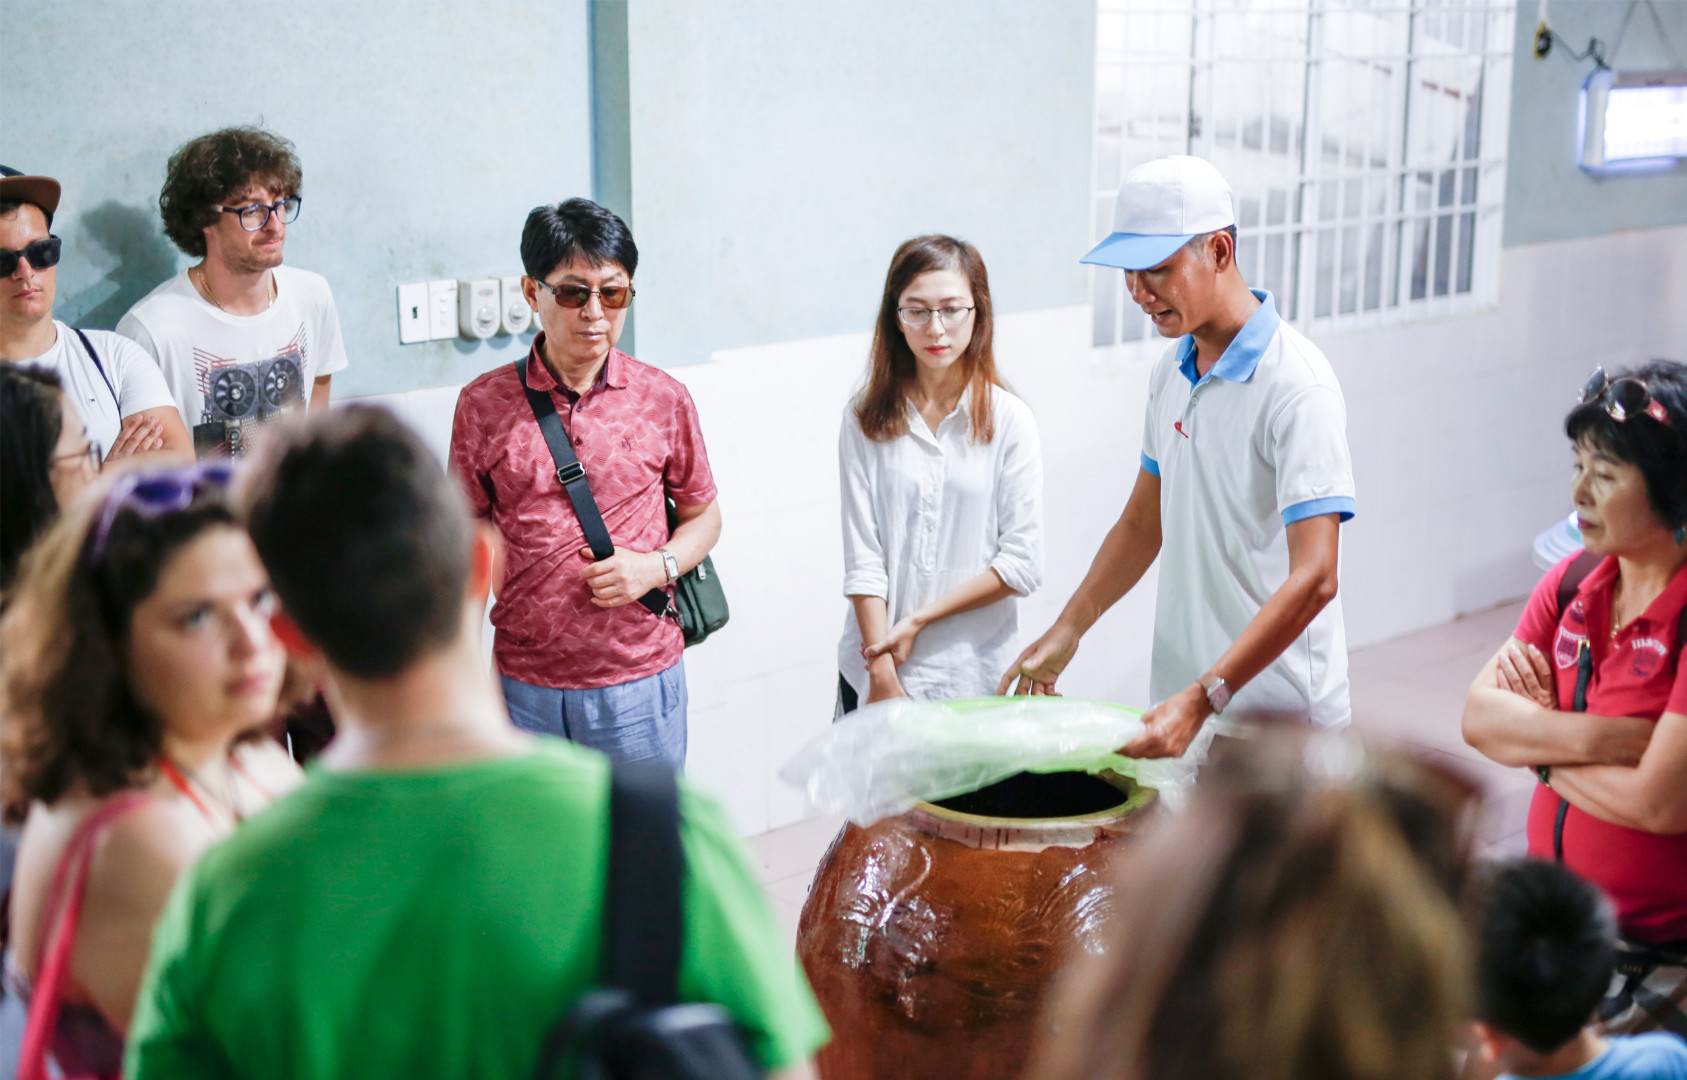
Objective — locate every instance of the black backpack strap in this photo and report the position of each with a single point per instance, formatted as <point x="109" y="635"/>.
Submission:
<point x="572" y="476"/>
<point x="99" y="367"/>
<point x="1574" y="574"/>
<point x="643" y="922"/>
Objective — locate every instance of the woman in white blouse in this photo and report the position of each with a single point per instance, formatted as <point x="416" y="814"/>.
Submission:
<point x="942" y="480"/>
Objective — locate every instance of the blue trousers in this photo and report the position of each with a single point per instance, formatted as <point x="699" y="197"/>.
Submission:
<point x="641" y="719"/>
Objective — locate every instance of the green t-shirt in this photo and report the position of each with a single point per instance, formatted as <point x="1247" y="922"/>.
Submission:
<point x="436" y="923"/>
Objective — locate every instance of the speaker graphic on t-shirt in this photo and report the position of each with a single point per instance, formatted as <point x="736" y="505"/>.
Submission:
<point x="238" y="396"/>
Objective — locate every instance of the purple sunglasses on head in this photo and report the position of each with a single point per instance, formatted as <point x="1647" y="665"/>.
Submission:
<point x="151" y="492"/>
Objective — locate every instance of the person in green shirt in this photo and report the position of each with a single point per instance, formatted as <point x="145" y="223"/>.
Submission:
<point x="431" y="900"/>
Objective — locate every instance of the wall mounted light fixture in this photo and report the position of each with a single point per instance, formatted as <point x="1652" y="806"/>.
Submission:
<point x="1633" y="119"/>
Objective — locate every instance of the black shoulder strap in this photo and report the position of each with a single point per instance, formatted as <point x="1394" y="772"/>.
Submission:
<point x="572" y="476"/>
<point x="99" y="367"/>
<point x="643" y="922"/>
<point x="1574" y="575"/>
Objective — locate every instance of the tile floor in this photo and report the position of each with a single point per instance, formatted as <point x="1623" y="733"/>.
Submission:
<point x="1409" y="690"/>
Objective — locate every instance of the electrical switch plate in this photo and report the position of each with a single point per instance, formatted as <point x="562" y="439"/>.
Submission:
<point x="442" y="309"/>
<point x="413" y="313"/>
<point x="477" y="307"/>
<point x="517" y="315"/>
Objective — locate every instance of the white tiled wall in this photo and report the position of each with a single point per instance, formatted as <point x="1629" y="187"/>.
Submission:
<point x="1455" y="428"/>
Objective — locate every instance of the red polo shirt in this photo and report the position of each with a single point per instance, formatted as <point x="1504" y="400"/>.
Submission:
<point x="636" y="433"/>
<point x="1636" y="675"/>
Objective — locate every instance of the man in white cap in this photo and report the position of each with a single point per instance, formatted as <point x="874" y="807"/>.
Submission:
<point x="1244" y="481"/>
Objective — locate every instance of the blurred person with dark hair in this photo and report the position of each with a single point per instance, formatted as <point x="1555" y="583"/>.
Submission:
<point x="46" y="460"/>
<point x="935" y="453"/>
<point x="1590" y="691"/>
<point x="240" y="337"/>
<point x="1545" y="957"/>
<point x="135" y="657"/>
<point x="438" y="881"/>
<point x="115" y="387"/>
<point x="1297" y="921"/>
<point x="579" y="654"/>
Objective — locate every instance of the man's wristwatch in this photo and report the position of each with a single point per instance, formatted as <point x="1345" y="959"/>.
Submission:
<point x="1218" y="694"/>
<point x="670" y="565"/>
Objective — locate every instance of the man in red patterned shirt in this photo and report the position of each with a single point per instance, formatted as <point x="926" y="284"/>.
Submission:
<point x="579" y="656"/>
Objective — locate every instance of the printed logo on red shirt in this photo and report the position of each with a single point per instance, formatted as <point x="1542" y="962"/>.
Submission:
<point x="1566" y="648"/>
<point x="1649" y="654"/>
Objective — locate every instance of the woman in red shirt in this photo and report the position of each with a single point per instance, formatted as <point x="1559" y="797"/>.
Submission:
<point x="1590" y="691"/>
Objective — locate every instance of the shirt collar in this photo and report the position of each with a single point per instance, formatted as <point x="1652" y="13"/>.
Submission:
<point x="1242" y="355"/>
<point x="1596" y="589"/>
<point x="613" y="373"/>
<point x="960" y="414"/>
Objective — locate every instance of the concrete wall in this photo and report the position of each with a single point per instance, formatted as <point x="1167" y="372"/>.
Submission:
<point x="1548" y="196"/>
<point x="427" y="130"/>
<point x="781" y="151"/>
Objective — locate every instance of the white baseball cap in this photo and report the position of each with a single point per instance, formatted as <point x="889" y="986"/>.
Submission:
<point x="1162" y="206"/>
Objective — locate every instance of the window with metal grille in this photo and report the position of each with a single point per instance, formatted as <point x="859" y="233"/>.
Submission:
<point x="1364" y="140"/>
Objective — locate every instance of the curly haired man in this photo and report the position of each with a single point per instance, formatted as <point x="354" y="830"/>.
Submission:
<point x="239" y="336"/>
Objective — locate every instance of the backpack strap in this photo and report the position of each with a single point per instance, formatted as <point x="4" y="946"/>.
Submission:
<point x="1574" y="574"/>
<point x="572" y="476"/>
<point x="99" y="367"/>
<point x="643" y="930"/>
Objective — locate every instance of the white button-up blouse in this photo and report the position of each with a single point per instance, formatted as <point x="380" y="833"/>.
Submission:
<point x="925" y="512"/>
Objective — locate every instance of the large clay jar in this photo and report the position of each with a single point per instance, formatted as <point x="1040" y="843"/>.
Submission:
<point x="931" y="937"/>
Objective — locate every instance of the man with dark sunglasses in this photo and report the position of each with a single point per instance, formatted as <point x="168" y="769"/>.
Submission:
<point x="240" y="337"/>
<point x="117" y="388"/>
<point x="580" y="656"/>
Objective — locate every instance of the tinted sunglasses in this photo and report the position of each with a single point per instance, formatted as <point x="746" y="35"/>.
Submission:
<point x="1624" y="397"/>
<point x="613" y="297"/>
<point x="151" y="493"/>
<point x="41" y="255"/>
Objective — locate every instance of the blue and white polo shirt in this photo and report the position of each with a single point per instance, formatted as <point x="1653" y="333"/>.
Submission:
<point x="1257" y="444"/>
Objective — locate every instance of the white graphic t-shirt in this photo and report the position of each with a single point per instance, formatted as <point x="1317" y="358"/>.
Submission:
<point x="231" y="373"/>
<point x="131" y="382"/>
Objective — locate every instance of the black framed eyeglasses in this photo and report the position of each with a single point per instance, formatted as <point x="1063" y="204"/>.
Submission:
<point x="613" y="297"/>
<point x="89" y="455"/>
<point x="41" y="255"/>
<point x="256" y="216"/>
<point x="918" y="316"/>
<point x="1624" y="397"/>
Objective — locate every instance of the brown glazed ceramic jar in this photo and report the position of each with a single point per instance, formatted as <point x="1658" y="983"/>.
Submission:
<point x="931" y="937"/>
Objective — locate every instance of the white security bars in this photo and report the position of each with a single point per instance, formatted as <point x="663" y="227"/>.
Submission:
<point x="1365" y="140"/>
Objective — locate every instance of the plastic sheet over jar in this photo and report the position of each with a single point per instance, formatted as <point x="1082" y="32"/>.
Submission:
<point x="884" y="758"/>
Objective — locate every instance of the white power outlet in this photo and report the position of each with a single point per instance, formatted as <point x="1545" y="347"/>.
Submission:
<point x="517" y="315"/>
<point x="477" y="307"/>
<point x="442" y="309"/>
<point x="413" y="313"/>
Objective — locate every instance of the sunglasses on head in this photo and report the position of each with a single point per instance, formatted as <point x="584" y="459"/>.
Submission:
<point x="1623" y="398"/>
<point x="41" y="255"/>
<point x="151" y="493"/>
<point x="613" y="297"/>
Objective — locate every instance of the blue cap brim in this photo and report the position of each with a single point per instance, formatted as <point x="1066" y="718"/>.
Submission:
<point x="1133" y="251"/>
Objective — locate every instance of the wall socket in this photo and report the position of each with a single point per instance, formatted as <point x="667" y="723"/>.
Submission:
<point x="442" y="309"/>
<point x="413" y="323"/>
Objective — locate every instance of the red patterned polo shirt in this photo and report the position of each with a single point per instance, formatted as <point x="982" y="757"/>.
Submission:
<point x="636" y="433"/>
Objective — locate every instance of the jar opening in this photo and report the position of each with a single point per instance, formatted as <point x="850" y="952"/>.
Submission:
<point x="1039" y="795"/>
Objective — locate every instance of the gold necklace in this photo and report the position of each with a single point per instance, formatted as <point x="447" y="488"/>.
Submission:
<point x="205" y="286"/>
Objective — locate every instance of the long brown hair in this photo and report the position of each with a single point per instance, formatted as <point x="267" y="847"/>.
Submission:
<point x="67" y="715"/>
<point x="1284" y="926"/>
<point x="881" y="408"/>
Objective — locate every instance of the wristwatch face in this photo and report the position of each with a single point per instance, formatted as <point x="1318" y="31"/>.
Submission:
<point x="1218" y="695"/>
<point x="670" y="564"/>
